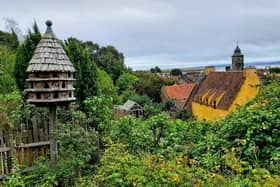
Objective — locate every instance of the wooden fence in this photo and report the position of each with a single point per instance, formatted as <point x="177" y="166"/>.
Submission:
<point x="23" y="144"/>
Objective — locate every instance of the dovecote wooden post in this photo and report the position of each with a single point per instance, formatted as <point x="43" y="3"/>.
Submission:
<point x="50" y="81"/>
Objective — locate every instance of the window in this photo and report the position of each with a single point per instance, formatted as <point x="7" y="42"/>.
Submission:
<point x="46" y="85"/>
<point x="55" y="96"/>
<point x="55" y="75"/>
<point x="38" y="95"/>
<point x="215" y="104"/>
<point x="63" y="85"/>
<point x="200" y="100"/>
<point x="70" y="94"/>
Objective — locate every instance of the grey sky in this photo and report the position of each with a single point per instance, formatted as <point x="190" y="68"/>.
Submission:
<point x="167" y="33"/>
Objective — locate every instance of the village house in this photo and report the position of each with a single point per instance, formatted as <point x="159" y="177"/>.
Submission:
<point x="221" y="92"/>
<point x="168" y="77"/>
<point x="178" y="93"/>
<point x="193" y="76"/>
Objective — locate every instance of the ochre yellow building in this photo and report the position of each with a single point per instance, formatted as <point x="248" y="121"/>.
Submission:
<point x="221" y="92"/>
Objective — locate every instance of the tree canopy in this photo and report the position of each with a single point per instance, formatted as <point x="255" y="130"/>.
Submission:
<point x="7" y="62"/>
<point x="176" y="72"/>
<point x="105" y="84"/>
<point x="127" y="81"/>
<point x="86" y="71"/>
<point x="110" y="60"/>
<point x="149" y="84"/>
<point x="24" y="55"/>
<point x="9" y="40"/>
<point x="156" y="69"/>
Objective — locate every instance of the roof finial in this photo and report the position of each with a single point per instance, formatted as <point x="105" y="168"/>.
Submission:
<point x="49" y="25"/>
<point x="237" y="50"/>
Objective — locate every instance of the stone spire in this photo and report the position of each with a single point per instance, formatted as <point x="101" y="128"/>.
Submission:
<point x="237" y="60"/>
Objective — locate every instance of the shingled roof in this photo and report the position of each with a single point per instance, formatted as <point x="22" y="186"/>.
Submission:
<point x="49" y="55"/>
<point x="129" y="105"/>
<point x="219" y="89"/>
<point x="181" y="91"/>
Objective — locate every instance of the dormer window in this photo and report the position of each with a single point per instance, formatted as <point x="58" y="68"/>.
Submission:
<point x="215" y="104"/>
<point x="200" y="100"/>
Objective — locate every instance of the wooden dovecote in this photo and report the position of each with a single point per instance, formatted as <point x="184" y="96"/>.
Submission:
<point x="50" y="73"/>
<point x="50" y="81"/>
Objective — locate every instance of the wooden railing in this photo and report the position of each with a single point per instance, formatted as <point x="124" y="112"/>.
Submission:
<point x="25" y="154"/>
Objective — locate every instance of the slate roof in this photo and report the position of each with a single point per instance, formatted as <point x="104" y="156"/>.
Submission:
<point x="237" y="51"/>
<point x="179" y="92"/>
<point x="49" y="55"/>
<point x="220" y="84"/>
<point x="128" y="105"/>
<point x="193" y="77"/>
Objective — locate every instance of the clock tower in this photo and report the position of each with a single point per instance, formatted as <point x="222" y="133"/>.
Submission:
<point x="237" y="60"/>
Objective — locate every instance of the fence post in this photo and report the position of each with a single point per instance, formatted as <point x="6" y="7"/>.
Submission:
<point x="53" y="141"/>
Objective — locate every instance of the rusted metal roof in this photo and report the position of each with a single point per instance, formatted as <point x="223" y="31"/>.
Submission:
<point x="219" y="89"/>
<point x="49" y="55"/>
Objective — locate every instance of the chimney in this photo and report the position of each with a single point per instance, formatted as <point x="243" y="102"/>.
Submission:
<point x="209" y="69"/>
<point x="227" y="68"/>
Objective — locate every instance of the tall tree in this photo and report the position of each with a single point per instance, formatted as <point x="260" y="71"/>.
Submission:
<point x="149" y="84"/>
<point x="7" y="62"/>
<point x="176" y="72"/>
<point x="86" y="72"/>
<point x="24" y="54"/>
<point x="156" y="69"/>
<point x="105" y="84"/>
<point x="9" y="40"/>
<point x="127" y="81"/>
<point x="110" y="60"/>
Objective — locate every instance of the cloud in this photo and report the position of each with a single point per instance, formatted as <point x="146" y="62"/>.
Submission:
<point x="159" y="32"/>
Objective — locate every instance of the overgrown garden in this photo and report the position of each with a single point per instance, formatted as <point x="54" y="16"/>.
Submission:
<point x="165" y="148"/>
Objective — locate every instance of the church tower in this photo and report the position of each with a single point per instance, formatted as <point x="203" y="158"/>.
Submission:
<point x="237" y="60"/>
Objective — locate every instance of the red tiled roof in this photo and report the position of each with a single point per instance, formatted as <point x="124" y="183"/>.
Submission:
<point x="181" y="91"/>
<point x="218" y="83"/>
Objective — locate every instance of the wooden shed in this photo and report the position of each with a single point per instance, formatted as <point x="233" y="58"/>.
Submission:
<point x="129" y="108"/>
